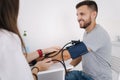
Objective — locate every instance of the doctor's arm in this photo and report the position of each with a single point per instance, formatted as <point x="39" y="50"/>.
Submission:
<point x="38" y="53"/>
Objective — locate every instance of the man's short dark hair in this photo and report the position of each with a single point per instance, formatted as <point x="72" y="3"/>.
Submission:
<point x="91" y="4"/>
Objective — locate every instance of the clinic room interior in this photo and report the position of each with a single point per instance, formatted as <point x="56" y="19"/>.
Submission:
<point x="54" y="22"/>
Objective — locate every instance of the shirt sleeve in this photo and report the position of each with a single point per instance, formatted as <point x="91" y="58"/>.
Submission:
<point x="95" y="42"/>
<point x="94" y="46"/>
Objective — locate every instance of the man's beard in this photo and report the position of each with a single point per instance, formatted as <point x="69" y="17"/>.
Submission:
<point x="86" y="24"/>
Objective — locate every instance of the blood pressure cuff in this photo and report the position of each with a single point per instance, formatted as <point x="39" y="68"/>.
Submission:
<point x="77" y="50"/>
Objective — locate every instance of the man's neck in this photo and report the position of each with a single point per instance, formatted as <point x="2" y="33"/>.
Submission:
<point x="90" y="27"/>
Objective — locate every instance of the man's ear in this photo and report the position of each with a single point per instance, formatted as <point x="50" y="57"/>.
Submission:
<point x="94" y="14"/>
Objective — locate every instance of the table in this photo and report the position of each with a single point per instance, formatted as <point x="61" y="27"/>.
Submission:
<point x="55" y="72"/>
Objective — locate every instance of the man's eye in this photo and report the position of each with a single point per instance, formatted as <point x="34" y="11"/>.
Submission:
<point x="81" y="13"/>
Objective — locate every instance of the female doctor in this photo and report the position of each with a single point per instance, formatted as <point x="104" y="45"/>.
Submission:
<point x="13" y="63"/>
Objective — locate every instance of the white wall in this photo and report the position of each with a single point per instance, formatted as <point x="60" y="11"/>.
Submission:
<point x="53" y="22"/>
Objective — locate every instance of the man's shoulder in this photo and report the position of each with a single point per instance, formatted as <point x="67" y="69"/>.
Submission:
<point x="101" y="28"/>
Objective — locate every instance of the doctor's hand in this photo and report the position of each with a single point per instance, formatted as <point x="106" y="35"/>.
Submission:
<point x="51" y="49"/>
<point x="44" y="65"/>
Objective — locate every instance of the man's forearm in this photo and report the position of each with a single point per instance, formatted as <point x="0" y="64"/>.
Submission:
<point x="76" y="61"/>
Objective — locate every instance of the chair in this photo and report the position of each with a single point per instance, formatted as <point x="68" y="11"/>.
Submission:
<point x="115" y="66"/>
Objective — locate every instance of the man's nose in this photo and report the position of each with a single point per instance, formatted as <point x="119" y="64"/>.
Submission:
<point x="79" y="17"/>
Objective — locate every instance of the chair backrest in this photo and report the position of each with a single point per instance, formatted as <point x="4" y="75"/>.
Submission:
<point x="115" y="66"/>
